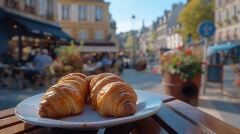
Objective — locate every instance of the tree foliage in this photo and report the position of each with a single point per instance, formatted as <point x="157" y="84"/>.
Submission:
<point x="193" y="14"/>
<point x="154" y="35"/>
<point x="130" y="42"/>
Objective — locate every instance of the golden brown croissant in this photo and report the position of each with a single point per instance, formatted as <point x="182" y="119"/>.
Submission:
<point x="98" y="87"/>
<point x="98" y="77"/>
<point x="65" y="98"/>
<point x="88" y="79"/>
<point x="78" y="82"/>
<point x="116" y="99"/>
<point x="110" y="96"/>
<point x="61" y="100"/>
<point x="83" y="76"/>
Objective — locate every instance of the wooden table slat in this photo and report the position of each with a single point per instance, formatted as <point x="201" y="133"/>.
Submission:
<point x="43" y="130"/>
<point x="201" y="118"/>
<point x="122" y="129"/>
<point x="9" y="121"/>
<point x="18" y="128"/>
<point x="7" y="113"/>
<point x="148" y="125"/>
<point x="174" y="123"/>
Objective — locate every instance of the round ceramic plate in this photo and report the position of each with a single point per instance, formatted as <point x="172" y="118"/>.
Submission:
<point x="147" y="105"/>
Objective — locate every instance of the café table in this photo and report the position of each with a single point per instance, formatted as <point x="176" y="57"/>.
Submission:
<point x="173" y="117"/>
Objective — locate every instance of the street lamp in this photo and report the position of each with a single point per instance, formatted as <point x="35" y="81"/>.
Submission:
<point x="134" y="46"/>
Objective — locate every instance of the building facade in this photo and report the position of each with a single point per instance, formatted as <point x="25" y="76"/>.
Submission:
<point x="145" y="39"/>
<point x="43" y="10"/>
<point x="167" y="31"/>
<point x="227" y="20"/>
<point x="162" y="30"/>
<point x="29" y="24"/>
<point x="87" y="20"/>
<point x="174" y="39"/>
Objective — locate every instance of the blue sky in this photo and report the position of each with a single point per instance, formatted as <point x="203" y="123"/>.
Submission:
<point x="147" y="10"/>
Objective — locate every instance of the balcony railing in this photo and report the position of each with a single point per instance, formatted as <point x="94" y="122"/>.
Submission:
<point x="12" y="4"/>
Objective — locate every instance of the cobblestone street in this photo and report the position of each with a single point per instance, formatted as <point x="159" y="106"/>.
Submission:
<point x="223" y="106"/>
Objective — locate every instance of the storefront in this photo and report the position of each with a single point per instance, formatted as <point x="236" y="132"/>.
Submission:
<point x="224" y="53"/>
<point x="22" y="33"/>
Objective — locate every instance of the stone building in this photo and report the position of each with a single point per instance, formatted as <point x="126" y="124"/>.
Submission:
<point x="43" y="10"/>
<point x="227" y="15"/>
<point x="166" y="28"/>
<point x="29" y="24"/>
<point x="174" y="39"/>
<point x="88" y="21"/>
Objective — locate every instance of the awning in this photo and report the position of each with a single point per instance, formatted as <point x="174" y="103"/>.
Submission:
<point x="37" y="27"/>
<point x="223" y="47"/>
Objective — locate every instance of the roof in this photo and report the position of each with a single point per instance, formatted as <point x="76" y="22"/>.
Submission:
<point x="173" y="18"/>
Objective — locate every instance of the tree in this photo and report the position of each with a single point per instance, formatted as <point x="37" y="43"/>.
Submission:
<point x="193" y="14"/>
<point x="154" y="35"/>
<point x="130" y="42"/>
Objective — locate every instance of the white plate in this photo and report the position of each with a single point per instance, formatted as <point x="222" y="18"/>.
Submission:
<point x="147" y="105"/>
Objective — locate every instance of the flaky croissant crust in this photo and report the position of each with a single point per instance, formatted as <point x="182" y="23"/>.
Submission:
<point x="61" y="100"/>
<point x="65" y="98"/>
<point x="110" y="96"/>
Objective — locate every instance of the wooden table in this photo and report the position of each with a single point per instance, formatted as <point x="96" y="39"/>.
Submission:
<point x="174" y="117"/>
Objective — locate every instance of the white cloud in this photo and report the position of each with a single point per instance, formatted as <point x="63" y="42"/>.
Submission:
<point x="129" y="25"/>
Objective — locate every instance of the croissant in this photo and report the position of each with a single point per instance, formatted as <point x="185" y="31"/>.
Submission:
<point x="98" y="87"/>
<point x="88" y="79"/>
<point x="97" y="78"/>
<point x="80" y="83"/>
<point x="110" y="96"/>
<point x="65" y="98"/>
<point x="122" y="97"/>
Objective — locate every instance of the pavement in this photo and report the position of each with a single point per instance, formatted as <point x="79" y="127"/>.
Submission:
<point x="224" y="106"/>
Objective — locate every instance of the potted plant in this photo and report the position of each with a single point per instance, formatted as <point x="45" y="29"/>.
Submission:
<point x="69" y="60"/>
<point x="181" y="71"/>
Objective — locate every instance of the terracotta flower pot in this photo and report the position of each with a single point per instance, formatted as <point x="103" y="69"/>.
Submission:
<point x="187" y="91"/>
<point x="141" y="66"/>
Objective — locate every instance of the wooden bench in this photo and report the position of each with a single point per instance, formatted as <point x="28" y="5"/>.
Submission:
<point x="174" y="117"/>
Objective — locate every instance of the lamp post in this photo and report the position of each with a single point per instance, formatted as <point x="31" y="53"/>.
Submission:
<point x="134" y="45"/>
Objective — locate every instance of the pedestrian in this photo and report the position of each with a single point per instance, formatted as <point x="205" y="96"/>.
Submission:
<point x="106" y="62"/>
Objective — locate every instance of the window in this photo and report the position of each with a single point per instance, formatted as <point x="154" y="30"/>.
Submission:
<point x="82" y="13"/>
<point x="235" y="10"/>
<point x="219" y="3"/>
<point x="29" y="3"/>
<point x="11" y="3"/>
<point x="219" y="17"/>
<point x="65" y="12"/>
<point x="99" y="35"/>
<point x="83" y="35"/>
<point x="98" y="14"/>
<point x="50" y="9"/>
<point x="227" y="15"/>
<point x="235" y="33"/>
